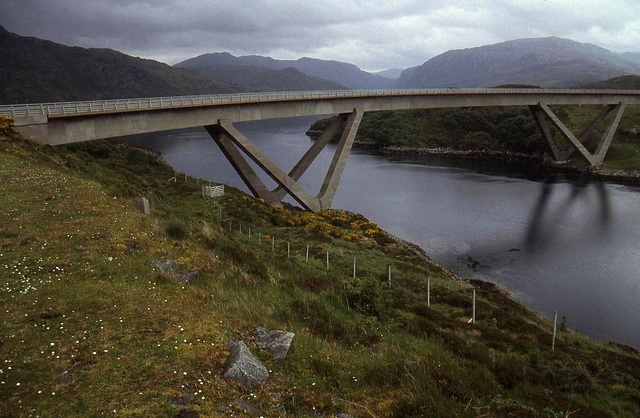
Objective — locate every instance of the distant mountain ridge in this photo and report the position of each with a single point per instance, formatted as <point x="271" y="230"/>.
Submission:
<point x="257" y="78"/>
<point x="392" y="73"/>
<point x="344" y="74"/>
<point x="548" y="62"/>
<point x="34" y="70"/>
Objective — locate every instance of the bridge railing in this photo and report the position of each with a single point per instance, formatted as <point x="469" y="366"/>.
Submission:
<point x="62" y="109"/>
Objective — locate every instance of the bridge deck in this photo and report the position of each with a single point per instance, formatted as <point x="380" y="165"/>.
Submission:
<point x="71" y="109"/>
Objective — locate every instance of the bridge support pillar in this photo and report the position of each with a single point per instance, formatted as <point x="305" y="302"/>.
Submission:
<point x="576" y="144"/>
<point x="232" y="142"/>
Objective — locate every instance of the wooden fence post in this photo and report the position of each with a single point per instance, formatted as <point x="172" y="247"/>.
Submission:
<point x="555" y="323"/>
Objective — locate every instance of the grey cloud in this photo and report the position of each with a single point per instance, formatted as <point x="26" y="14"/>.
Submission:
<point x="372" y="34"/>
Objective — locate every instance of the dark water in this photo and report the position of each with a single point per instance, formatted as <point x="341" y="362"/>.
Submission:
<point x="555" y="244"/>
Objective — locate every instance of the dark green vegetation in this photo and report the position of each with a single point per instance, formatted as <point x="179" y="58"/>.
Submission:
<point x="90" y="328"/>
<point x="547" y="62"/>
<point x="625" y="82"/>
<point x="36" y="71"/>
<point x="508" y="130"/>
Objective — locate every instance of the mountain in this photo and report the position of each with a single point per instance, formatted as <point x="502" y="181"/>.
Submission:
<point x="255" y="78"/>
<point x="547" y="62"/>
<point x="392" y="73"/>
<point x="347" y="75"/>
<point x="625" y="82"/>
<point x="34" y="70"/>
<point x="633" y="57"/>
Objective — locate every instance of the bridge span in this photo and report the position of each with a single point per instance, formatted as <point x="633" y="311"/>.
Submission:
<point x="69" y="122"/>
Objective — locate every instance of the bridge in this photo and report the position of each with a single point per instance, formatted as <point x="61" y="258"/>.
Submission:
<point x="69" y="122"/>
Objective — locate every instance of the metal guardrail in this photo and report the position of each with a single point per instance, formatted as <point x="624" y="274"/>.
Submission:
<point x="62" y="109"/>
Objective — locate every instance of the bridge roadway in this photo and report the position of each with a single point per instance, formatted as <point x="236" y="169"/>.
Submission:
<point x="69" y="122"/>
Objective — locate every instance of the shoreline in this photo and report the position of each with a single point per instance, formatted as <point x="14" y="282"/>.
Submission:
<point x="544" y="163"/>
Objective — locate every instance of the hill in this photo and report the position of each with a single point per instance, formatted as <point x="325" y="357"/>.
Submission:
<point x="347" y="75"/>
<point x="547" y="62"/>
<point x="252" y="78"/>
<point x="34" y="71"/>
<point x="625" y="82"/>
<point x="94" y="325"/>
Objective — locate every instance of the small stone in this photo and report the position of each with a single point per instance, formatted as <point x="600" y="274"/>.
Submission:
<point x="244" y="367"/>
<point x="168" y="266"/>
<point x="343" y="415"/>
<point x="143" y="205"/>
<point x="65" y="379"/>
<point x="49" y="314"/>
<point x="188" y="414"/>
<point x="187" y="277"/>
<point x="280" y="410"/>
<point x="247" y="407"/>
<point x="181" y="399"/>
<point x="275" y="342"/>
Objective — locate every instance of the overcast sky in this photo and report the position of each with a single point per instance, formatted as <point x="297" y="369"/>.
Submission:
<point x="375" y="35"/>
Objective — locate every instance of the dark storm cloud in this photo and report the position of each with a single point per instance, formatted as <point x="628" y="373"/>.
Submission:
<point x="372" y="34"/>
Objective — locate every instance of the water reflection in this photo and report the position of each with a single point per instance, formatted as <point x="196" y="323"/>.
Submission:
<point x="546" y="220"/>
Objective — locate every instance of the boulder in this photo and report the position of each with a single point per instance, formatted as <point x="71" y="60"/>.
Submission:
<point x="170" y="267"/>
<point x="248" y="407"/>
<point x="275" y="342"/>
<point x="244" y="367"/>
<point x="143" y="205"/>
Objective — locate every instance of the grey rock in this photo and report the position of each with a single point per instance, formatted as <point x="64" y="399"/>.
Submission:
<point x="181" y="399"/>
<point x="280" y="410"/>
<point x="247" y="406"/>
<point x="171" y="268"/>
<point x="244" y="367"/>
<point x="275" y="342"/>
<point x="143" y="205"/>
<point x="188" y="414"/>
<point x="343" y="415"/>
<point x="65" y="379"/>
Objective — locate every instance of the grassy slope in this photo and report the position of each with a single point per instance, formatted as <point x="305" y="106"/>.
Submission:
<point x="79" y="296"/>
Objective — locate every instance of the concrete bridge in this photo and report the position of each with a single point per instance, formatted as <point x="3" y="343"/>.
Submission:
<point x="63" y="123"/>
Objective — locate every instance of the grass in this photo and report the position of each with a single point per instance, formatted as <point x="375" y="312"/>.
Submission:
<point x="90" y="328"/>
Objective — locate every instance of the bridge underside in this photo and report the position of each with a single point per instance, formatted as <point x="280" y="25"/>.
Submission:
<point x="576" y="144"/>
<point x="232" y="142"/>
<point x="61" y="128"/>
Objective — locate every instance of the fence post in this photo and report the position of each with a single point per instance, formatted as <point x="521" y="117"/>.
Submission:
<point x="429" y="291"/>
<point x="229" y="225"/>
<point x="555" y="322"/>
<point x="241" y="228"/>
<point x="306" y="260"/>
<point x="288" y="250"/>
<point x="389" y="276"/>
<point x="473" y="318"/>
<point x="259" y="237"/>
<point x="273" y="243"/>
<point x="327" y="259"/>
<point x="354" y="267"/>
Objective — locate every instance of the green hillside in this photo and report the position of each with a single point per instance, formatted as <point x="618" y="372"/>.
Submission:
<point x="35" y="71"/>
<point x="91" y="328"/>
<point x="508" y="130"/>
